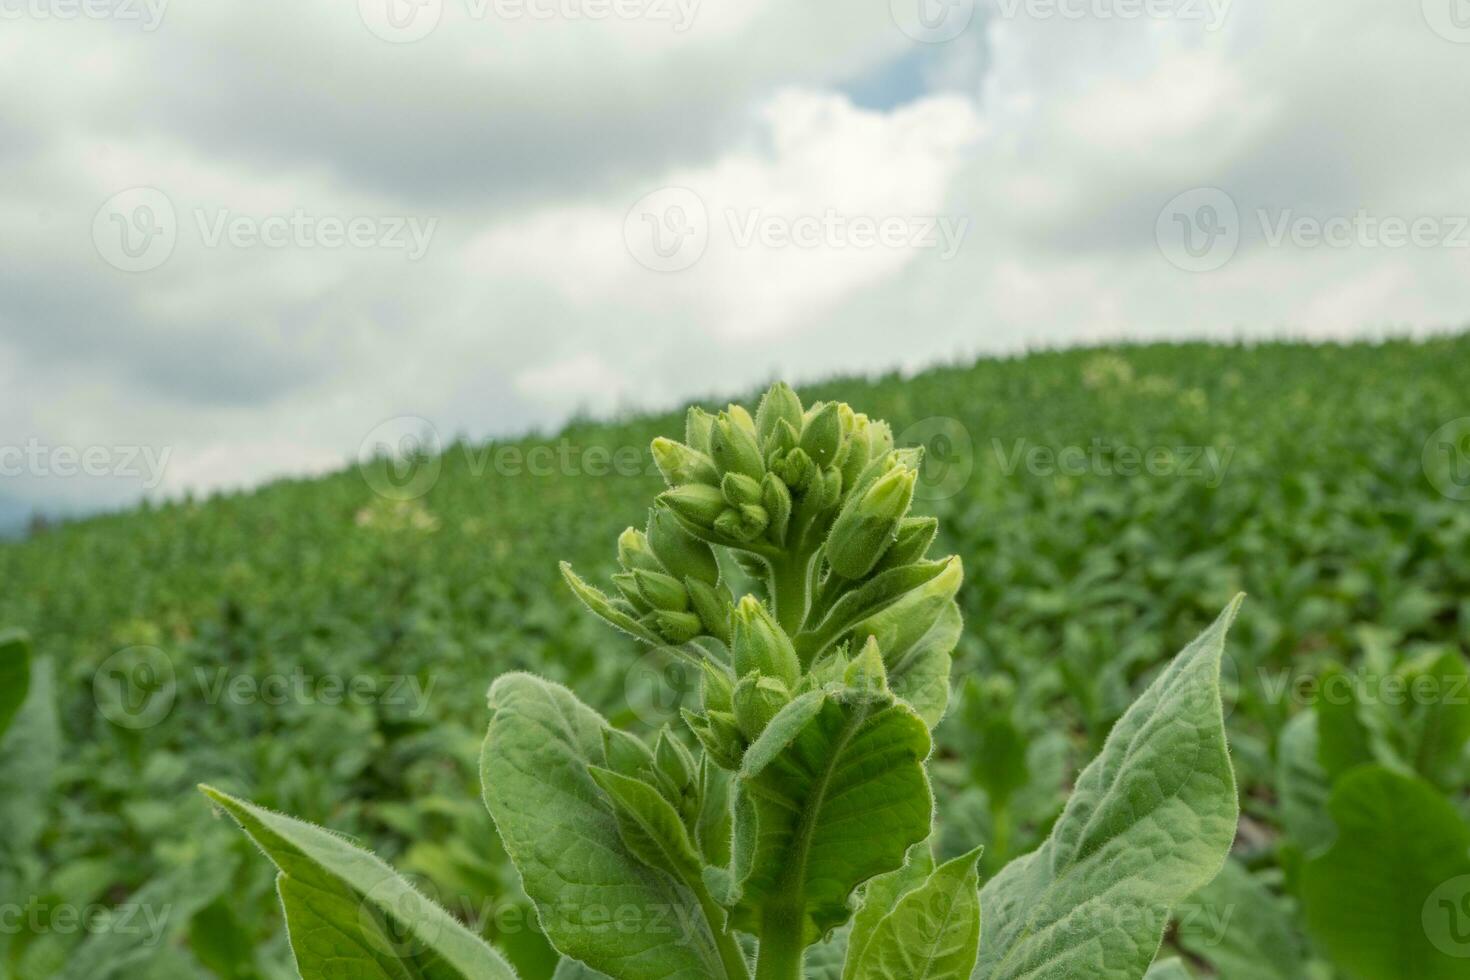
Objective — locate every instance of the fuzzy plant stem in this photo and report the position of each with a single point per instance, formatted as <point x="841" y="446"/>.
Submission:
<point x="781" y="947"/>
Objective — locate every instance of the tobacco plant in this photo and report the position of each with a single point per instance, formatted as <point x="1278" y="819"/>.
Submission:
<point x="786" y="829"/>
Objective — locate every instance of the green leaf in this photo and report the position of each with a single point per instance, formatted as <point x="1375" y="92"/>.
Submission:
<point x="917" y="635"/>
<point x="572" y="970"/>
<point x="650" y="826"/>
<point x="880" y="895"/>
<point x="1390" y="900"/>
<point x="350" y="915"/>
<point x="1342" y="741"/>
<point x="867" y="600"/>
<point x="15" y="675"/>
<point x="602" y="607"/>
<point x="30" y="754"/>
<point x="562" y="833"/>
<point x="1302" y="786"/>
<point x="1150" y="821"/>
<point x="933" y="933"/>
<point x="1240" y="928"/>
<point x="1170" y="969"/>
<point x="832" y="794"/>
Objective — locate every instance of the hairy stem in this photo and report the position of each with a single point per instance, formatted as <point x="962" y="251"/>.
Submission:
<point x="789" y="590"/>
<point x="781" y="945"/>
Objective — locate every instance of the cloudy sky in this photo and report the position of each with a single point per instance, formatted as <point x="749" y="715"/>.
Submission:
<point x="235" y="238"/>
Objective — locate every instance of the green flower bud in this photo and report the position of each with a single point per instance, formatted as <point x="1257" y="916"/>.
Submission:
<point x="778" y="404"/>
<point x="719" y="735"/>
<point x="915" y="535"/>
<point x="757" y="699"/>
<point x="676" y="627"/>
<point x="734" y="450"/>
<point x="745" y="523"/>
<point x="782" y="440"/>
<point x="674" y="762"/>
<point x="626" y="754"/>
<point x="821" y="436"/>
<point x="758" y="643"/>
<point x="776" y="499"/>
<point x="697" y="503"/>
<point x="867" y="524"/>
<point x="740" y="489"/>
<point x="742" y="418"/>
<point x="716" y="688"/>
<point x="859" y="450"/>
<point x="795" y="469"/>
<point x="634" y="553"/>
<point x="662" y="591"/>
<point x="867" y="673"/>
<point x="684" y="555"/>
<point x="628" y="586"/>
<point x="682" y="464"/>
<point x="697" y="425"/>
<point x="712" y="604"/>
<point x="911" y="458"/>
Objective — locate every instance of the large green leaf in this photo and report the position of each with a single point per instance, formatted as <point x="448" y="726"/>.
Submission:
<point x="350" y="916"/>
<point x="917" y="635"/>
<point x="597" y="901"/>
<point x="933" y="932"/>
<point x="1240" y="928"/>
<point x="1390" y="900"/>
<point x="1302" y="786"/>
<point x="1150" y="821"/>
<point x="30" y="753"/>
<point x="880" y="895"/>
<point x="15" y="674"/>
<point x="832" y="794"/>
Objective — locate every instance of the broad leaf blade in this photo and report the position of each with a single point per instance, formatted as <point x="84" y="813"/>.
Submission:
<point x="560" y="830"/>
<point x="880" y="896"/>
<point x="15" y="675"/>
<point x="933" y="933"/>
<point x="351" y="916"/>
<point x="1150" y="821"/>
<point x="839" y="803"/>
<point x="1390" y="900"/>
<point x="1239" y="927"/>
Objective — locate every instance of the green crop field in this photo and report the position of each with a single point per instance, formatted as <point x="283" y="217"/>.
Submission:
<point x="323" y="648"/>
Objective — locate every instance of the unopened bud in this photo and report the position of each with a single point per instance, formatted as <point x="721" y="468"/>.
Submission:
<point x="867" y="672"/>
<point x="697" y="503"/>
<point x="673" y="761"/>
<point x="757" y="700"/>
<point x="866" y="526"/>
<point x="682" y="464"/>
<point x="778" y="404"/>
<point x="675" y="627"/>
<point x="712" y="604"/>
<point x="716" y="687"/>
<point x="697" y="425"/>
<point x="634" y="553"/>
<point x="911" y="542"/>
<point x="628" y="586"/>
<point x="776" y="499"/>
<point x="740" y="489"/>
<point x="821" y="436"/>
<point x="758" y="643"/>
<point x="744" y="523"/>
<point x="662" y="591"/>
<point x="734" y="450"/>
<point x="684" y="555"/>
<point x="795" y="469"/>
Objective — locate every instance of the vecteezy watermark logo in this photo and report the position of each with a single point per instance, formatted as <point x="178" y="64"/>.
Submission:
<point x="136" y="229"/>
<point x="400" y="920"/>
<point x="148" y="14"/>
<point x="932" y="21"/>
<point x="401" y="21"/>
<point x="1446" y="459"/>
<point x="949" y="456"/>
<point x="401" y="458"/>
<point x="1212" y="13"/>
<point x="43" y="461"/>
<point x="658" y="684"/>
<point x="667" y="230"/>
<point x="1199" y="231"/>
<point x="136" y="687"/>
<point x="1450" y="19"/>
<point x="1446" y="917"/>
<point x="1107" y="459"/>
